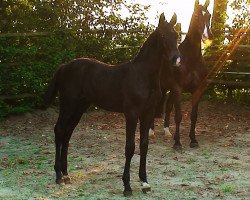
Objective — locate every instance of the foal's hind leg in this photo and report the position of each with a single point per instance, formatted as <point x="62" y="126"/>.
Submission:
<point x="160" y="104"/>
<point x="69" y="117"/>
<point x="168" y="110"/>
<point x="74" y="120"/>
<point x="158" y="112"/>
<point x="59" y="133"/>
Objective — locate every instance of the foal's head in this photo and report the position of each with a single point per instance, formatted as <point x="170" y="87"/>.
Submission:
<point x="201" y="20"/>
<point x="168" y="39"/>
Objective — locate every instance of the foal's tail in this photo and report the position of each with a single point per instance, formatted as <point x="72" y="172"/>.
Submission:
<point x="51" y="92"/>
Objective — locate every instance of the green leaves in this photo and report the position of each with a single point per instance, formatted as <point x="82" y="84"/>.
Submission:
<point x="37" y="36"/>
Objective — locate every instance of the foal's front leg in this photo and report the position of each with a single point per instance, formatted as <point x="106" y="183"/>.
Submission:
<point x="131" y="122"/>
<point x="145" y="122"/>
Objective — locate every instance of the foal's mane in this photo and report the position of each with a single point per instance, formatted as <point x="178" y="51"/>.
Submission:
<point x="147" y="45"/>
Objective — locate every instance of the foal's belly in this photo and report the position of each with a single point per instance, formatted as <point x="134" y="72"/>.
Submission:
<point x="111" y="106"/>
<point x="112" y="103"/>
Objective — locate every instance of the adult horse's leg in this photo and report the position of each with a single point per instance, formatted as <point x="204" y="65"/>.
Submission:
<point x="74" y="120"/>
<point x="131" y="122"/>
<point x="178" y="118"/>
<point x="193" y="117"/>
<point x="168" y="110"/>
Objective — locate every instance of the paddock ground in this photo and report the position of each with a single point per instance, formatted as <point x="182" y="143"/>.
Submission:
<point x="218" y="169"/>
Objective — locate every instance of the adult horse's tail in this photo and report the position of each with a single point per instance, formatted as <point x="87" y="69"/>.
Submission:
<point x="50" y="93"/>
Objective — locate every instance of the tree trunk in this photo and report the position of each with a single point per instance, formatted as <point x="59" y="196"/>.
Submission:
<point x="219" y="21"/>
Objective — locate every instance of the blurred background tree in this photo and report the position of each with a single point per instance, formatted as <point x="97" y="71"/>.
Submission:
<point x="36" y="36"/>
<point x="219" y="21"/>
<point x="226" y="29"/>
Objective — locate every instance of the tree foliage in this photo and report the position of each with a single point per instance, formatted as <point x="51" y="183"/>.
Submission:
<point x="241" y="19"/>
<point x="36" y="36"/>
<point x="219" y="21"/>
<point x="231" y="34"/>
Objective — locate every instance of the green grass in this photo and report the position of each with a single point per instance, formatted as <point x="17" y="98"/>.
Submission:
<point x="191" y="161"/>
<point x="206" y="154"/>
<point x="226" y="188"/>
<point x="24" y="172"/>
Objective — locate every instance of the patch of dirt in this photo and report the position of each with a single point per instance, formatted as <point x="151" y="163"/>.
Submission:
<point x="219" y="169"/>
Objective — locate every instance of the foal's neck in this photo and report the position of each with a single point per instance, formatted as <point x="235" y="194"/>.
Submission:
<point x="151" y="52"/>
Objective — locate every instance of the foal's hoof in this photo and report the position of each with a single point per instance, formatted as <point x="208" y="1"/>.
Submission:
<point x="177" y="147"/>
<point x="145" y="187"/>
<point x="194" y="145"/>
<point x="127" y="193"/>
<point x="60" y="181"/>
<point x="66" y="179"/>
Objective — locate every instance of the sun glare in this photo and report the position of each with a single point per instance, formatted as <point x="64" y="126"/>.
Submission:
<point x="207" y="43"/>
<point x="183" y="9"/>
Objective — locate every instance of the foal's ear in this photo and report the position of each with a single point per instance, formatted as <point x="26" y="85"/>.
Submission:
<point x="206" y="4"/>
<point x="173" y="19"/>
<point x="161" y="20"/>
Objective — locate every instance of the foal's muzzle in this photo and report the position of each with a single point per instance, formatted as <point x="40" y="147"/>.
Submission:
<point x="176" y="61"/>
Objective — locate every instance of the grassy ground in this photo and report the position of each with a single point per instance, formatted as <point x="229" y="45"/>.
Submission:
<point x="219" y="169"/>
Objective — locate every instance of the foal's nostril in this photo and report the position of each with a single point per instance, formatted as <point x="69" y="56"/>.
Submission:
<point x="174" y="59"/>
<point x="178" y="61"/>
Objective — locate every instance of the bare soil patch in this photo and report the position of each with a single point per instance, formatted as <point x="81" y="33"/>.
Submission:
<point x="219" y="169"/>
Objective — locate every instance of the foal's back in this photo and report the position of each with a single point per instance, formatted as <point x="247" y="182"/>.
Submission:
<point x="96" y="82"/>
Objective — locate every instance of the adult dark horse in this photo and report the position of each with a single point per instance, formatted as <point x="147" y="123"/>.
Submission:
<point x="131" y="88"/>
<point x="191" y="75"/>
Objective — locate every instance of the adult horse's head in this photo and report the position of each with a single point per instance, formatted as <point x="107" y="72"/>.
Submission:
<point x="201" y="19"/>
<point x="168" y="38"/>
